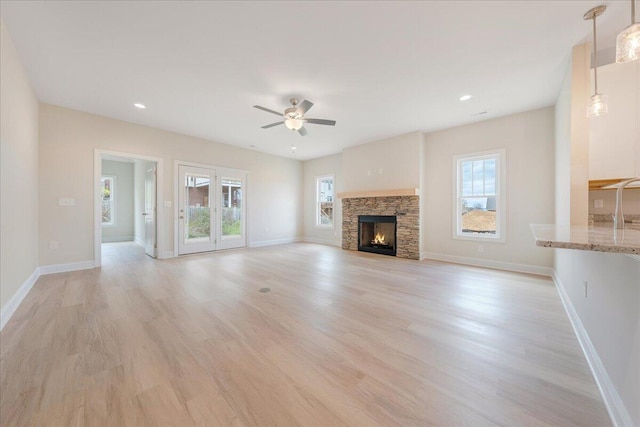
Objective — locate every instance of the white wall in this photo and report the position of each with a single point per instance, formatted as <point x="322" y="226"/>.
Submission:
<point x="122" y="229"/>
<point x="18" y="175"/>
<point x="528" y="139"/>
<point x="387" y="164"/>
<point x="608" y="318"/>
<point x="330" y="165"/>
<point x="610" y="315"/>
<point x="67" y="142"/>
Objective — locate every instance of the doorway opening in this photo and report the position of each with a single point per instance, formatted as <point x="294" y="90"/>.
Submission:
<point x="126" y="213"/>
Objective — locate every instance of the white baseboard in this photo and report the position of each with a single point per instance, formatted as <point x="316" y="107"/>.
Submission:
<point x="274" y="242"/>
<point x="113" y="239"/>
<point x="322" y="241"/>
<point x="489" y="263"/>
<point x="615" y="406"/>
<point x="62" y="268"/>
<point x="141" y="242"/>
<point x="165" y="254"/>
<point x="10" y="307"/>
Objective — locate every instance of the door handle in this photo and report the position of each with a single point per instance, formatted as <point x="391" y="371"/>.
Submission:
<point x="144" y="214"/>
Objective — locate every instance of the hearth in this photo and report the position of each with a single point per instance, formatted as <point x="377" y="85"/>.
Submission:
<point x="377" y="234"/>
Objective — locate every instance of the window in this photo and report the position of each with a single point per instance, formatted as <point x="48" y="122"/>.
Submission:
<point x="107" y="193"/>
<point x="480" y="196"/>
<point x="324" y="201"/>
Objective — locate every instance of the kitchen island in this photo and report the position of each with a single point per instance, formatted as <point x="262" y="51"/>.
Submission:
<point x="601" y="237"/>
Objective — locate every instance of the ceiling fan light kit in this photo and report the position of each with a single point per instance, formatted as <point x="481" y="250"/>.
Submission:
<point x="293" y="117"/>
<point x="597" y="104"/>
<point x="628" y="41"/>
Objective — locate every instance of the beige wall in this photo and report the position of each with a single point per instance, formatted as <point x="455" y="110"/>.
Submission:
<point x="387" y="164"/>
<point x="630" y="201"/>
<point x="528" y="139"/>
<point x="563" y="150"/>
<point x="19" y="172"/>
<point x="122" y="229"/>
<point x="68" y="139"/>
<point x="330" y="165"/>
<point x="580" y="85"/>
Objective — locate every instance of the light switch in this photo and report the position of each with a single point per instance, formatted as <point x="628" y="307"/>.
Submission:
<point x="598" y="204"/>
<point x="66" y="202"/>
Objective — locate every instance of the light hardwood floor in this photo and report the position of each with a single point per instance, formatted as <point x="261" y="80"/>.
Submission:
<point x="343" y="338"/>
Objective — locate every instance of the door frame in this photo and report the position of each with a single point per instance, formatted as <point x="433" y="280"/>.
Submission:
<point x="97" y="203"/>
<point x="176" y="189"/>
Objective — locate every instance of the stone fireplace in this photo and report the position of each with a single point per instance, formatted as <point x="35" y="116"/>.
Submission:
<point x="403" y="204"/>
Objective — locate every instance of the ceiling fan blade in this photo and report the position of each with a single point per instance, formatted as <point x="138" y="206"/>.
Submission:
<point x="272" y="125"/>
<point x="267" y="110"/>
<point x="305" y="106"/>
<point x="320" y="122"/>
<point x="302" y="131"/>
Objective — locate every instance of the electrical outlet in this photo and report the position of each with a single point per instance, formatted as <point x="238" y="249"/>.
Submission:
<point x="598" y="203"/>
<point x="66" y="202"/>
<point x="53" y="245"/>
<point x="167" y="203"/>
<point x="480" y="248"/>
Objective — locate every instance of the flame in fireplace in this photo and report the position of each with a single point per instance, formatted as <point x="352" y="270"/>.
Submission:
<point x="379" y="240"/>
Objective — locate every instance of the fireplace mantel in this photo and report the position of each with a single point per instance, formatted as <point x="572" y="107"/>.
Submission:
<point x="380" y="193"/>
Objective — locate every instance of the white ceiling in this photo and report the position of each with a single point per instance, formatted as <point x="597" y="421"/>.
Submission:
<point x="378" y="68"/>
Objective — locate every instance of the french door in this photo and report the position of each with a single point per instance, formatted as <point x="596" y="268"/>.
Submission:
<point x="211" y="209"/>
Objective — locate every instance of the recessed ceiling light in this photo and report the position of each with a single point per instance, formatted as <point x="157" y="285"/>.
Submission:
<point x="465" y="97"/>
<point x="139" y="105"/>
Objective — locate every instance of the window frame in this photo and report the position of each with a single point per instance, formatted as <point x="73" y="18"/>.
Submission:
<point x="500" y="194"/>
<point x="112" y="199"/>
<point x="318" y="224"/>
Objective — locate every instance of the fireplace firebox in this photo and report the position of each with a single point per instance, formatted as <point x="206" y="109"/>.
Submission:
<point x="377" y="234"/>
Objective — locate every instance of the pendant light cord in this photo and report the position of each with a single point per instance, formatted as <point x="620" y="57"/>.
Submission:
<point x="595" y="55"/>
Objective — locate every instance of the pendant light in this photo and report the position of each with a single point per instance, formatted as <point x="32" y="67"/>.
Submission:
<point x="597" y="105"/>
<point x="628" y="41"/>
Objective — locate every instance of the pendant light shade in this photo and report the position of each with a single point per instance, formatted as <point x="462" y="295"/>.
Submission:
<point x="597" y="104"/>
<point x="628" y="41"/>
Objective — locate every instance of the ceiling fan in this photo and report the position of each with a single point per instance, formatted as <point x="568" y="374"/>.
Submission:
<point x="294" y="116"/>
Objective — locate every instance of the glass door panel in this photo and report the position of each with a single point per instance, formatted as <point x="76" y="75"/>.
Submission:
<point x="196" y="216"/>
<point x="232" y="208"/>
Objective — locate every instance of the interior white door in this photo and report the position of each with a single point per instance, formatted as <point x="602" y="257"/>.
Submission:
<point x="232" y="227"/>
<point x="196" y="210"/>
<point x="150" y="211"/>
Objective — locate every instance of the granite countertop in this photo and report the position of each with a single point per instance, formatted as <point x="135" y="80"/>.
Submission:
<point x="600" y="237"/>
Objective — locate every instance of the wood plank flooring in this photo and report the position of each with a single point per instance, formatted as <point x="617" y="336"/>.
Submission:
<point x="342" y="339"/>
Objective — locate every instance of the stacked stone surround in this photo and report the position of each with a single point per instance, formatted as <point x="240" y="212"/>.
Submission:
<point x="405" y="208"/>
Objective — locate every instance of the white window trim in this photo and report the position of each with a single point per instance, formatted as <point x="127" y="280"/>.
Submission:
<point x="501" y="197"/>
<point x="113" y="200"/>
<point x="317" y="203"/>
